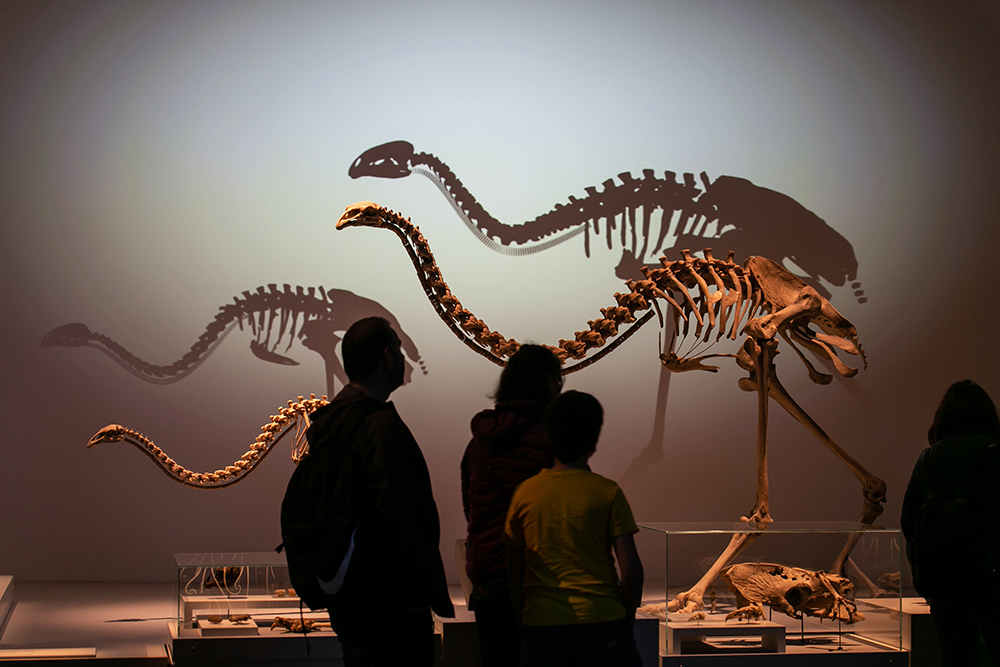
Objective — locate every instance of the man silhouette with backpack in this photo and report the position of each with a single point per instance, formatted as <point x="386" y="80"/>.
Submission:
<point x="359" y="520"/>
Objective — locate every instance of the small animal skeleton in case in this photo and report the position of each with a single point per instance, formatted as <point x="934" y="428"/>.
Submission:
<point x="791" y="590"/>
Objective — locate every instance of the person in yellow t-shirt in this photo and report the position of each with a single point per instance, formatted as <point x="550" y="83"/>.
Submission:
<point x="561" y="528"/>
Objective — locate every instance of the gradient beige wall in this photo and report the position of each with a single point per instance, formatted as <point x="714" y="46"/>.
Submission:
<point x="160" y="158"/>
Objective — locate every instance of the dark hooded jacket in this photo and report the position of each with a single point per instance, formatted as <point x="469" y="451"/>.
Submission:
<point x="508" y="446"/>
<point x="396" y="547"/>
<point x="961" y="462"/>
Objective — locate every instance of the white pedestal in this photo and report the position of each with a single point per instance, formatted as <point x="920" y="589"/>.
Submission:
<point x="920" y="636"/>
<point x="226" y="628"/>
<point x="772" y="635"/>
<point x="199" y="605"/>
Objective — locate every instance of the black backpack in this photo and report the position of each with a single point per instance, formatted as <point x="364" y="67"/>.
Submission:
<point x="955" y="532"/>
<point x="322" y="507"/>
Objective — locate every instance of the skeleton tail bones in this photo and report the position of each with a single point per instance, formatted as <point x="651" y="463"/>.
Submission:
<point x="293" y="418"/>
<point x="709" y="294"/>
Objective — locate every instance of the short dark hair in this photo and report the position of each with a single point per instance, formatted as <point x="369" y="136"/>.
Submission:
<point x="573" y="423"/>
<point x="364" y="346"/>
<point x="527" y="373"/>
<point x="966" y="409"/>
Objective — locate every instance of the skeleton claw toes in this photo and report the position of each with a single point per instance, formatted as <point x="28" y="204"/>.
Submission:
<point x="758" y="516"/>
<point x="686" y="603"/>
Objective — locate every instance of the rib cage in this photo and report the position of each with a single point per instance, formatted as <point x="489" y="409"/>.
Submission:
<point x="295" y="417"/>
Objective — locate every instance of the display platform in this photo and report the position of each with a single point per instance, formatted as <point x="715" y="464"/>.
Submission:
<point x="120" y="624"/>
<point x="674" y="634"/>
<point x="129" y="624"/>
<point x="920" y="637"/>
<point x="781" y="566"/>
<point x="775" y="640"/>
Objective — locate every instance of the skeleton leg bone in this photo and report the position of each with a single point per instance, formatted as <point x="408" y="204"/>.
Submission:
<point x="852" y="570"/>
<point x="693" y="599"/>
<point x="762" y="353"/>
<point x="757" y="356"/>
<point x="872" y="486"/>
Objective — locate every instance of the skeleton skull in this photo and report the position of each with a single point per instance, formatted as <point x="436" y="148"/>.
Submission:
<point x="792" y="590"/>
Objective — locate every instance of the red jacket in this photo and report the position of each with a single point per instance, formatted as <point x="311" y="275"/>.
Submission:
<point x="508" y="446"/>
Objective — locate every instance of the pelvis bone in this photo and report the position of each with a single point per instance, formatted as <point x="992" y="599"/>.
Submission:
<point x="792" y="590"/>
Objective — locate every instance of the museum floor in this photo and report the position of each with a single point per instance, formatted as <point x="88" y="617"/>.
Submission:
<point x="127" y="624"/>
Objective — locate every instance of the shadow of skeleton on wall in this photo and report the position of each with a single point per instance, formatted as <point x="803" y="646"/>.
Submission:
<point x="644" y="218"/>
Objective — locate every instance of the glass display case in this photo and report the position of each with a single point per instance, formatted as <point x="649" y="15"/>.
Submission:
<point x="786" y="569"/>
<point x="237" y="594"/>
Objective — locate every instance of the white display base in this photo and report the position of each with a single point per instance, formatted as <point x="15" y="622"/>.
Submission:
<point x="674" y="633"/>
<point x="269" y="648"/>
<point x="227" y="628"/>
<point x="47" y="653"/>
<point x="919" y="632"/>
<point x="220" y="605"/>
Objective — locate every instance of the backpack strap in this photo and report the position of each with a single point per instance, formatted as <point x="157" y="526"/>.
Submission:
<point x="344" y="427"/>
<point x="344" y="431"/>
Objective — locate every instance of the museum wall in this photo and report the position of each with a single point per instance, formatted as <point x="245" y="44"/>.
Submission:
<point x="160" y="161"/>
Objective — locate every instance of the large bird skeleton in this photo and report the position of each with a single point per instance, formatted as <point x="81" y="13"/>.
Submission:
<point x="759" y="300"/>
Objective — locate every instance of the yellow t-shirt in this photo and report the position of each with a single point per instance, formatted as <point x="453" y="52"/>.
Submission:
<point x="566" y="520"/>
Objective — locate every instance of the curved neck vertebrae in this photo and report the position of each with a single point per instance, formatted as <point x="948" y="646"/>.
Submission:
<point x="291" y="419"/>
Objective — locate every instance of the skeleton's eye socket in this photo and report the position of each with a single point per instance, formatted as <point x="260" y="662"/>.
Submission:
<point x="795" y="597"/>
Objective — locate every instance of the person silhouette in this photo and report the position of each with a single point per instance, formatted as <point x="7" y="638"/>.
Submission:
<point x="508" y="445"/>
<point x="948" y="520"/>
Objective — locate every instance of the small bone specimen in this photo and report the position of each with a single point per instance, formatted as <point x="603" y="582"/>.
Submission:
<point x="791" y="590"/>
<point x="750" y="612"/>
<point x="706" y="296"/>
<point x="280" y="592"/>
<point x="239" y="619"/>
<point x="294" y="418"/>
<point x="304" y="626"/>
<point x="214" y="619"/>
